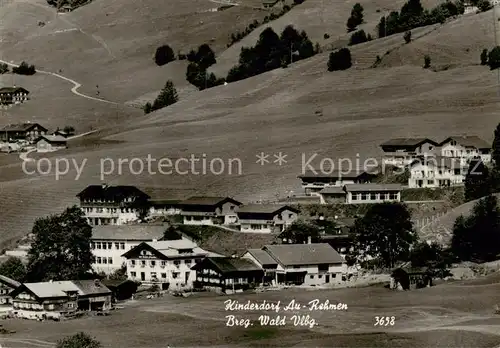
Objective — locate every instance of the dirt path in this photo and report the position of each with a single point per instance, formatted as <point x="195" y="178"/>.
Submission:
<point x="24" y="343"/>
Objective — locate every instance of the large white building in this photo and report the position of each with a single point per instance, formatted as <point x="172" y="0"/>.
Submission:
<point x="165" y="263"/>
<point x="112" y="205"/>
<point x="400" y="152"/>
<point x="436" y="171"/>
<point x="110" y="242"/>
<point x="464" y="148"/>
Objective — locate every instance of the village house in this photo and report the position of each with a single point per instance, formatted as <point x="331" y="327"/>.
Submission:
<point x="13" y="95"/>
<point x="308" y="264"/>
<point x="209" y="211"/>
<point x="400" y="152"/>
<point x="56" y="299"/>
<point x="469" y="8"/>
<point x="262" y="258"/>
<point x="7" y="285"/>
<point x="110" y="242"/>
<point x="436" y="171"/>
<point x="62" y="133"/>
<point x="361" y="194"/>
<point x="164" y="207"/>
<point x="266" y="218"/>
<point x="50" y="143"/>
<point x="227" y="274"/>
<point x="23" y="131"/>
<point x="112" y="205"/>
<point x="165" y="263"/>
<point x="315" y="181"/>
<point x="410" y="278"/>
<point x="465" y="148"/>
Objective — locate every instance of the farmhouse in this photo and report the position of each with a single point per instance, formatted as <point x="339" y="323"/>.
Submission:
<point x="465" y="148"/>
<point x="165" y="263"/>
<point x="56" y="299"/>
<point x="7" y="285"/>
<point x="266" y="218"/>
<point x="23" y="131"/>
<point x="400" y="152"/>
<point x="111" y="205"/>
<point x="110" y="242"/>
<point x="49" y="143"/>
<point x="309" y="264"/>
<point x="407" y="278"/>
<point x="13" y="95"/>
<point x="315" y="181"/>
<point x="436" y="171"/>
<point x="227" y="274"/>
<point x="265" y="261"/>
<point x="209" y="211"/>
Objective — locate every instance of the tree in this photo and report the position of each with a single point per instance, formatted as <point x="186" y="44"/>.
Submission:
<point x="494" y="58"/>
<point x="381" y="32"/>
<point x="61" y="247"/>
<point x="484" y="5"/>
<point x="427" y="62"/>
<point x="299" y="232"/>
<point x="4" y="68"/>
<point x="164" y="55"/>
<point x="205" y="57"/>
<point x="433" y="257"/>
<point x="79" y="340"/>
<point x="407" y="36"/>
<point x="385" y="233"/>
<point x="356" y="17"/>
<point x="13" y="268"/>
<point x="119" y="274"/>
<point x="24" y="69"/>
<point x="358" y="37"/>
<point x="340" y="60"/>
<point x="171" y="233"/>
<point x="477" y="181"/>
<point x="484" y="57"/>
<point x="495" y="156"/>
<point x="69" y="129"/>
<point x="147" y="108"/>
<point x="477" y="237"/>
<point x="167" y="96"/>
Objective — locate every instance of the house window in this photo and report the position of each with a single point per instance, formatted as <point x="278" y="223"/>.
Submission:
<point x="71" y="305"/>
<point x="334" y="275"/>
<point x="117" y="246"/>
<point x="98" y="260"/>
<point x="122" y="246"/>
<point x="394" y="196"/>
<point x="231" y="208"/>
<point x="430" y="182"/>
<point x="373" y="196"/>
<point x="153" y="263"/>
<point x="110" y="260"/>
<point x="164" y="275"/>
<point x="92" y="245"/>
<point x="104" y="260"/>
<point x="51" y="307"/>
<point x="104" y="246"/>
<point x="354" y="197"/>
<point x="163" y="263"/>
<point x="132" y="262"/>
<point x="153" y="274"/>
<point x="187" y="262"/>
<point x="143" y="263"/>
<point x="311" y="277"/>
<point x="98" y="245"/>
<point x="320" y="276"/>
<point x="364" y="197"/>
<point x="133" y="274"/>
<point x="110" y="245"/>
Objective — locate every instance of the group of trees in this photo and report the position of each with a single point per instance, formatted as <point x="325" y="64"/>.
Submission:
<point x="24" y="69"/>
<point x="196" y="72"/>
<point x="356" y="17"/>
<point x="413" y="15"/>
<point x="79" y="340"/>
<point x="491" y="58"/>
<point x="339" y="60"/>
<point x="168" y="96"/>
<point x="164" y="55"/>
<point x="359" y="37"/>
<point x="271" y="52"/>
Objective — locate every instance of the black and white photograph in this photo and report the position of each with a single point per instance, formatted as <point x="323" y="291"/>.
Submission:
<point x="249" y="173"/>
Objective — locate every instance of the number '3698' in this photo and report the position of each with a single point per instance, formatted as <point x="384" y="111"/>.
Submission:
<point x="385" y="321"/>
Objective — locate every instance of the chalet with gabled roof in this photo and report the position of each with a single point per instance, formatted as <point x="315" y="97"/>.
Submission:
<point x="465" y="148"/>
<point x="22" y="131"/>
<point x="13" y="95"/>
<point x="266" y="218"/>
<point x="401" y="152"/>
<point x="50" y="143"/>
<point x="209" y="210"/>
<point x="7" y="286"/>
<point x="315" y="181"/>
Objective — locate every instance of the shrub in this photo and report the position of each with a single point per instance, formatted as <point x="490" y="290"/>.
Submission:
<point x="326" y="36"/>
<point x="484" y="57"/>
<point x="164" y="55"/>
<point x="484" y="5"/>
<point x="4" y="68"/>
<point x="340" y="60"/>
<point x="358" y="37"/>
<point x="79" y="340"/>
<point x="147" y="108"/>
<point x="24" y="69"/>
<point x="407" y="36"/>
<point x="427" y="62"/>
<point x="494" y="58"/>
<point x="356" y="17"/>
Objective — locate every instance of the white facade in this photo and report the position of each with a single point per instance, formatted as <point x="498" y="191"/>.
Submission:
<point x="317" y="274"/>
<point x="225" y="214"/>
<point x="99" y="215"/>
<point x="157" y="211"/>
<point x="453" y="149"/>
<point x="279" y="222"/>
<point x="424" y="175"/>
<point x="373" y="197"/>
<point x="108" y="254"/>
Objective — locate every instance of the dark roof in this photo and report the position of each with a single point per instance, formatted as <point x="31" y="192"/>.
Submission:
<point x="205" y="200"/>
<point x="233" y="264"/>
<point x="11" y="282"/>
<point x="111" y="192"/>
<point x="262" y="257"/>
<point x="336" y="173"/>
<point x="113" y="283"/>
<point x="139" y="232"/>
<point x="13" y="90"/>
<point x="372" y="187"/>
<point x="264" y="208"/>
<point x="332" y="190"/>
<point x="408" y="142"/>
<point x="303" y="254"/>
<point x="438" y="161"/>
<point x="468" y="141"/>
<point x="54" y="139"/>
<point x="168" y="202"/>
<point x="91" y="287"/>
<point x="21" y="127"/>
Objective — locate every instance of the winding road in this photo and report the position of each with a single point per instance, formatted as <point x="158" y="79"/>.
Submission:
<point x="76" y="85"/>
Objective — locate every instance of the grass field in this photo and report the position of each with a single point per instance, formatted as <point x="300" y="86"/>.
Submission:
<point x="446" y="317"/>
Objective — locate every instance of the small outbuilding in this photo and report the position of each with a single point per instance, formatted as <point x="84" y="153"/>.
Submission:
<point x="50" y="143"/>
<point x="406" y="278"/>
